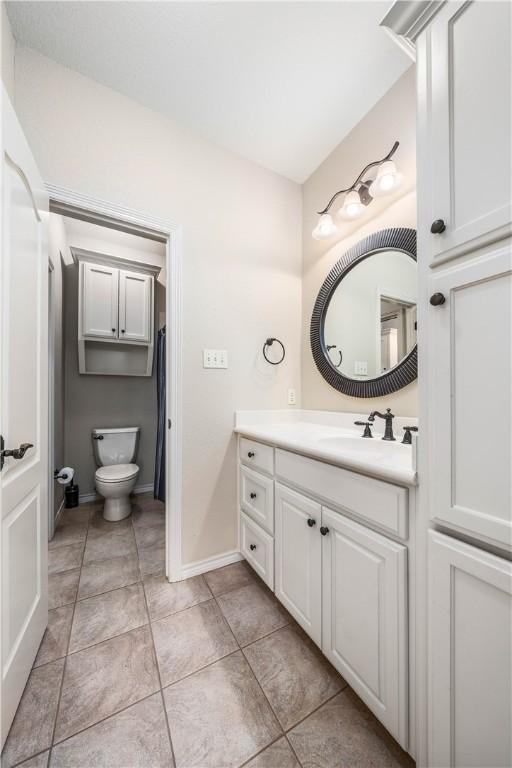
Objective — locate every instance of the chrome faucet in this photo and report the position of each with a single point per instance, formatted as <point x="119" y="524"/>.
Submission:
<point x="388" y="418"/>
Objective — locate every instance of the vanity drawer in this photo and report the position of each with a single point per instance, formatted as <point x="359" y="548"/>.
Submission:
<point x="257" y="455"/>
<point x="258" y="549"/>
<point x="257" y="497"/>
<point x="374" y="500"/>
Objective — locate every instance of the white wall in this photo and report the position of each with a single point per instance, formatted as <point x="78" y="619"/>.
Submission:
<point x="392" y="118"/>
<point x="242" y="261"/>
<point x="8" y="51"/>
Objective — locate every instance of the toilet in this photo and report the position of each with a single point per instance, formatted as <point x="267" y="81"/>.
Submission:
<point x="116" y="476"/>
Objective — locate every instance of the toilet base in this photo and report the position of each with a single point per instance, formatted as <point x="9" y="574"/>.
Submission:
<point x="117" y="509"/>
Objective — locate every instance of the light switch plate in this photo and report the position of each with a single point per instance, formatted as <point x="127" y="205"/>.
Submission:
<point x="292" y="397"/>
<point x="361" y="368"/>
<point x="215" y="358"/>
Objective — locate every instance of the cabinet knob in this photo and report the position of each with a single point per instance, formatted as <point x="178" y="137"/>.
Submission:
<point x="253" y="495"/>
<point x="252" y="546"/>
<point x="311" y="522"/>
<point x="122" y="331"/>
<point x="437" y="227"/>
<point x="324" y="530"/>
<point x="250" y="454"/>
<point x="113" y="330"/>
<point x="437" y="299"/>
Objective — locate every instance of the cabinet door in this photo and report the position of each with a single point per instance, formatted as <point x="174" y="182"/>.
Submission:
<point x="364" y="631"/>
<point x="135" y="306"/>
<point x="470" y="656"/>
<point x="100" y="289"/>
<point x="298" y="565"/>
<point x="468" y="124"/>
<point x="469" y="386"/>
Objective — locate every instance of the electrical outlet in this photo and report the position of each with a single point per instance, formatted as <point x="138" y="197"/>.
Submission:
<point x="215" y="358"/>
<point x="361" y="368"/>
<point x="292" y="397"/>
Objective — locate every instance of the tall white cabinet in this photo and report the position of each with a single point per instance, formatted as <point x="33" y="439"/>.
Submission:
<point x="464" y="68"/>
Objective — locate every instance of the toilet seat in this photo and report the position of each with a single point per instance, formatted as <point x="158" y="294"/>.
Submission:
<point x="116" y="473"/>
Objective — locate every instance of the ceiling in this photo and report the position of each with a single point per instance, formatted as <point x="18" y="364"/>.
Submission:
<point x="280" y="83"/>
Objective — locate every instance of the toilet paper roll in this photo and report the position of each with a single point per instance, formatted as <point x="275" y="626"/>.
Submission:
<point x="65" y="476"/>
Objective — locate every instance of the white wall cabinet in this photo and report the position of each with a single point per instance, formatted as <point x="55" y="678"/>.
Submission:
<point x="99" y="293"/>
<point x="364" y="594"/>
<point x="135" y="305"/>
<point x="470" y="675"/>
<point x="298" y="566"/>
<point x="468" y="122"/>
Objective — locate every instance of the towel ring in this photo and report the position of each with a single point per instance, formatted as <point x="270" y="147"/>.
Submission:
<point x="269" y="343"/>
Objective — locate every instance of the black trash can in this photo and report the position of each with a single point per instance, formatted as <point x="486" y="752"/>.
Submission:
<point x="71" y="496"/>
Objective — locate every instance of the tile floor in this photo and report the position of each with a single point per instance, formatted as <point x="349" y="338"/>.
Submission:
<point x="134" y="672"/>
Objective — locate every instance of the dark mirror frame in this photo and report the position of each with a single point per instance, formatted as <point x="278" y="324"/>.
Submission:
<point x="399" y="239"/>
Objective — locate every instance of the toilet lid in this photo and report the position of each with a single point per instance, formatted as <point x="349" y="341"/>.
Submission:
<point x="116" y="472"/>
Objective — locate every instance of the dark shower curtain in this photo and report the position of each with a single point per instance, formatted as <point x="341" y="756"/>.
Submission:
<point x="159" y="489"/>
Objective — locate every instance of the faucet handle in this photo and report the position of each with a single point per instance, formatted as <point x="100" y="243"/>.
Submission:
<point x="391" y="415"/>
<point x="407" y="440"/>
<point x="366" y="424"/>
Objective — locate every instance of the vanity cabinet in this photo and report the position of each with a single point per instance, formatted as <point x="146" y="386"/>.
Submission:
<point x="466" y="107"/>
<point x="470" y="644"/>
<point x="325" y="540"/>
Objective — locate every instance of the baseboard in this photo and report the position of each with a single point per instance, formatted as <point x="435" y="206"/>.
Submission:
<point x="210" y="564"/>
<point x="86" y="497"/>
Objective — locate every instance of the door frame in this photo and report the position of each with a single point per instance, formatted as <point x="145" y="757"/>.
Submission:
<point x="51" y="399"/>
<point x="69" y="203"/>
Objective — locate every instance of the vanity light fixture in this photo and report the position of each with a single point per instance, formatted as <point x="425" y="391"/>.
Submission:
<point x="360" y="194"/>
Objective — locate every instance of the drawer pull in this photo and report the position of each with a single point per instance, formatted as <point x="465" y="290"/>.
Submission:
<point x="438" y="226"/>
<point x="253" y="495"/>
<point x="311" y="522"/>
<point x="250" y="454"/>
<point x="252" y="546"/>
<point x="324" y="530"/>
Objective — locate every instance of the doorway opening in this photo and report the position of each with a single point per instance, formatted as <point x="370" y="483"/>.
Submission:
<point x="115" y="377"/>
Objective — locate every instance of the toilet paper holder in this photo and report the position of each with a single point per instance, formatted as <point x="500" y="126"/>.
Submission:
<point x="60" y="475"/>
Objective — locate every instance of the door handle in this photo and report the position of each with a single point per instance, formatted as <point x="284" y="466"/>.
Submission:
<point x="15" y="453"/>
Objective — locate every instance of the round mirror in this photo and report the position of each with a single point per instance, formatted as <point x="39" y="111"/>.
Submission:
<point x="363" y="330"/>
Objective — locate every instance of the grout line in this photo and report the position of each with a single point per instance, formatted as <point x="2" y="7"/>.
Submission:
<point x="157" y="665"/>
<point x="292" y="749"/>
<point x="267" y="746"/>
<point x="57" y="711"/>
<point x="299" y="722"/>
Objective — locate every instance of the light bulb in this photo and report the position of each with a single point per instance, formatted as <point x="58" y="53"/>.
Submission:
<point x="352" y="206"/>
<point x="388" y="179"/>
<point x="325" y="227"/>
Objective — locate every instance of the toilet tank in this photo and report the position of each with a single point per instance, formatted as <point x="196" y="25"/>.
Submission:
<point x="115" y="446"/>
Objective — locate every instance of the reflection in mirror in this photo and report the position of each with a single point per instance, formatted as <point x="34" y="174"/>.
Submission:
<point x="370" y="322"/>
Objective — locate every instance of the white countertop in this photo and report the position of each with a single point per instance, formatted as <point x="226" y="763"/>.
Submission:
<point x="333" y="438"/>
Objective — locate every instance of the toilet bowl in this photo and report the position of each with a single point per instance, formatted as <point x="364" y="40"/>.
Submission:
<point x="116" y="476"/>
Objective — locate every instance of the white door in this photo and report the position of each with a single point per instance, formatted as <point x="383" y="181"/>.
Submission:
<point x="298" y="559"/>
<point x="469" y="387"/>
<point x="364" y="592"/>
<point x="24" y="412"/>
<point x="469" y="124"/>
<point x="470" y="656"/>
<point x="135" y="304"/>
<point x="99" y="301"/>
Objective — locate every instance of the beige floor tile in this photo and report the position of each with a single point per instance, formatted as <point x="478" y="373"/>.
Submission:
<point x="296" y="678"/>
<point x="150" y="536"/>
<point x="39" y="761"/>
<point x="165" y="598"/>
<point x="110" y="545"/>
<point x="62" y="588"/>
<point x="230" y="577"/>
<point x="32" y="728"/>
<point x="99" y="526"/>
<point x="148" y="514"/>
<point x="104" y="575"/>
<point x="65" y="558"/>
<point x="191" y="639"/>
<point x="104" y="616"/>
<point x="104" y="679"/>
<point x="55" y="641"/>
<point x="219" y="716"/>
<point x="152" y="560"/>
<point x="252" y="612"/>
<point x="70" y="533"/>
<point x="278" y="755"/>
<point x="342" y="734"/>
<point x="136" y="737"/>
